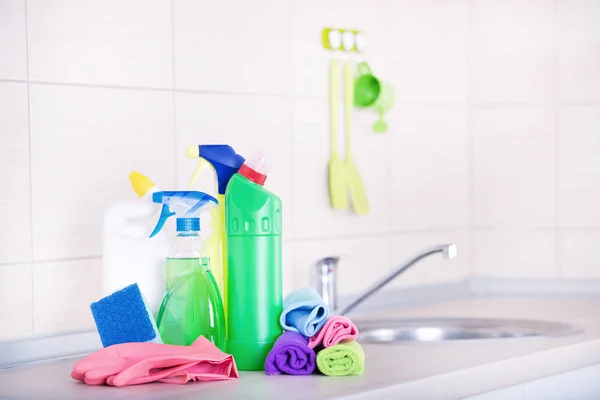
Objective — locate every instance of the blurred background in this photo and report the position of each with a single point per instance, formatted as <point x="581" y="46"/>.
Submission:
<point x="493" y="141"/>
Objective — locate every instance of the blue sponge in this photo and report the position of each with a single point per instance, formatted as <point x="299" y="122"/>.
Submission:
<point x="124" y="317"/>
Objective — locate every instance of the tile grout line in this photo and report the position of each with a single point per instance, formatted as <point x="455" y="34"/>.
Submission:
<point x="291" y="105"/>
<point x="87" y="85"/>
<point x="426" y="231"/>
<point x="483" y="105"/>
<point x="555" y="108"/>
<point x="390" y="145"/>
<point x="389" y="149"/>
<point x="377" y="234"/>
<point x="305" y="239"/>
<point x="153" y="89"/>
<point x="290" y="273"/>
<point x="470" y="145"/>
<point x="174" y="94"/>
<point x="32" y="265"/>
<point x="291" y="69"/>
<point x="50" y="260"/>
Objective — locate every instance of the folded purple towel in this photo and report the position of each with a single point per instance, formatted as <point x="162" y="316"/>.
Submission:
<point x="290" y="355"/>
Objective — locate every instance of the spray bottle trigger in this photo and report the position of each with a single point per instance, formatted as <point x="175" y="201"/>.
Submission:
<point x="203" y="165"/>
<point x="165" y="213"/>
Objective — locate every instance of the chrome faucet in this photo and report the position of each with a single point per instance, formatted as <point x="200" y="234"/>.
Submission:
<point x="325" y="280"/>
<point x="326" y="272"/>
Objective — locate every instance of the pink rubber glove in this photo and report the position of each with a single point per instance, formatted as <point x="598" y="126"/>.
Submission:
<point x="136" y="363"/>
<point x="337" y="329"/>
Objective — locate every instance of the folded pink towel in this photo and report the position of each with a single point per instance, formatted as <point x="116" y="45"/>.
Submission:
<point x="135" y="363"/>
<point x="337" y="329"/>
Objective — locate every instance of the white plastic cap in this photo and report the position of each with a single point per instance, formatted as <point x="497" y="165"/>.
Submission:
<point x="361" y="42"/>
<point x="348" y="40"/>
<point x="335" y="39"/>
<point x="259" y="163"/>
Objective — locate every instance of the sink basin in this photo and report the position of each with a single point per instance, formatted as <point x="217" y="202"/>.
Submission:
<point x="451" y="329"/>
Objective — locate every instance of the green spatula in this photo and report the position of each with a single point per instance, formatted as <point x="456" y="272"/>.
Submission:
<point x="338" y="193"/>
<point x="358" y="196"/>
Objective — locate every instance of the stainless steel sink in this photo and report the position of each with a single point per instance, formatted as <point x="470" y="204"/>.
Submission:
<point x="450" y="329"/>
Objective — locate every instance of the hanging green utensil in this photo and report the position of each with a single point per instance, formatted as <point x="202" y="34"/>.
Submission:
<point x="337" y="169"/>
<point x="358" y="196"/>
<point x="366" y="87"/>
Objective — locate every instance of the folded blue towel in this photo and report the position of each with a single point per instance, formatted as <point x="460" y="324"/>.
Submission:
<point x="304" y="311"/>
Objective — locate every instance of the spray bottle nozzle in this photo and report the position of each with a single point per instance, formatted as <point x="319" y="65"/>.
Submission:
<point x="221" y="157"/>
<point x="187" y="205"/>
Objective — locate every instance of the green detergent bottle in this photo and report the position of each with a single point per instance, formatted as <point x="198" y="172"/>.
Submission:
<point x="192" y="305"/>
<point x="253" y="227"/>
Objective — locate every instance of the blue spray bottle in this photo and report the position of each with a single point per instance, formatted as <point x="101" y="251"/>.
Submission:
<point x="192" y="305"/>
<point x="225" y="162"/>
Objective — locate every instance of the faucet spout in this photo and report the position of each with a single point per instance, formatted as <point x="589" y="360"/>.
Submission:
<point x="449" y="251"/>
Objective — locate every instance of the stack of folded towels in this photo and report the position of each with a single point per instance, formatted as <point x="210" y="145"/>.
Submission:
<point x="313" y="339"/>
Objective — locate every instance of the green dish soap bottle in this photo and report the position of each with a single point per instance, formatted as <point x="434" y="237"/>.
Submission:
<point x="192" y="305"/>
<point x="254" y="292"/>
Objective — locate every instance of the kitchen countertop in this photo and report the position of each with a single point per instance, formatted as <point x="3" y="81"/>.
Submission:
<point x="435" y="370"/>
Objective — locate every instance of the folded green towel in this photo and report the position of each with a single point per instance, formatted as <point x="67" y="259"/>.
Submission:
<point x="341" y="360"/>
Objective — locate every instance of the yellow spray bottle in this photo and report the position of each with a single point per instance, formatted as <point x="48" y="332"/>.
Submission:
<point x="225" y="162"/>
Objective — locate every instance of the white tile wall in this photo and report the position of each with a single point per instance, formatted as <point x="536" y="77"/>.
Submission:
<point x="16" y="298"/>
<point x="579" y="246"/>
<point x="113" y="42"/>
<point x="493" y="140"/>
<point x="288" y="267"/>
<point x="310" y="62"/>
<point x="578" y="58"/>
<point x="62" y="294"/>
<point x="84" y="143"/>
<point x="422" y="35"/>
<point x="511" y="51"/>
<point x="232" y="46"/>
<point x="513" y="167"/>
<point x="518" y="253"/>
<point x="15" y="208"/>
<point x="429" y="179"/>
<point x="13" y="42"/>
<point x="579" y="166"/>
